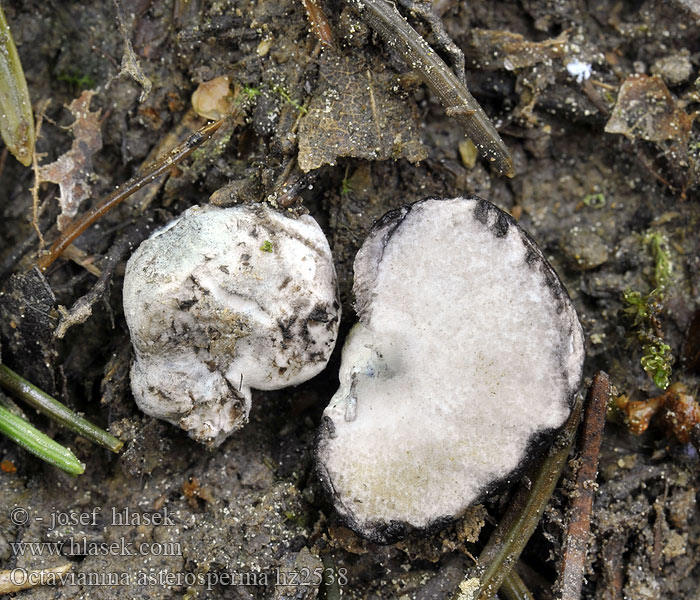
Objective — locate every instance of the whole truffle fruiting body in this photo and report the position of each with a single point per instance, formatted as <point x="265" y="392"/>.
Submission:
<point x="467" y="356"/>
<point x="224" y="300"/>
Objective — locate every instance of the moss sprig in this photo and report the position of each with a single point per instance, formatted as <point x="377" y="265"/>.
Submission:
<point x="644" y="311"/>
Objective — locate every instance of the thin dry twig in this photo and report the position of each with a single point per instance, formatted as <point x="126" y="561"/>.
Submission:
<point x="150" y="173"/>
<point x="612" y="551"/>
<point x="82" y="308"/>
<point x="36" y="211"/>
<point x="577" y="539"/>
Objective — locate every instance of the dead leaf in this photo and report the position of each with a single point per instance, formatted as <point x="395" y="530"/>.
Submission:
<point x="645" y="109"/>
<point x="356" y="111"/>
<point x="72" y="170"/>
<point x="495" y="49"/>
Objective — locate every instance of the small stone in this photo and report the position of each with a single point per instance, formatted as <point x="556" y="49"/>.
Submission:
<point x="468" y="153"/>
<point x="674" y="68"/>
<point x="675" y="545"/>
<point x="213" y="99"/>
<point x="584" y="249"/>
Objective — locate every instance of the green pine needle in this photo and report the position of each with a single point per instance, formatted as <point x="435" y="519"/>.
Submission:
<point x="31" y="439"/>
<point x="56" y="411"/>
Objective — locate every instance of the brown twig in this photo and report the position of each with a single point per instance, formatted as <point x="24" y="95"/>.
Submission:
<point x="82" y="309"/>
<point x="150" y="173"/>
<point x="574" y="561"/>
<point x="612" y="552"/>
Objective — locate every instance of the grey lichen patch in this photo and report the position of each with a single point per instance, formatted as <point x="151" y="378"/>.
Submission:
<point x="466" y="358"/>
<point x="357" y="111"/>
<point x="212" y="316"/>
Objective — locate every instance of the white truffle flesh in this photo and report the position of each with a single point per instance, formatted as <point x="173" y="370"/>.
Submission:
<point x="224" y="300"/>
<point x="466" y="360"/>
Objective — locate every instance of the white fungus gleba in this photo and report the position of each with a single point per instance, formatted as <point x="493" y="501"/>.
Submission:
<point x="224" y="300"/>
<point x="465" y="362"/>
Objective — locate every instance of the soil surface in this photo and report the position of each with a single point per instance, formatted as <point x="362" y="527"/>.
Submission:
<point x="607" y="183"/>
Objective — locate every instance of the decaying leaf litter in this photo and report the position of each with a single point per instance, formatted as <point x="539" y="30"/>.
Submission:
<point x="602" y="162"/>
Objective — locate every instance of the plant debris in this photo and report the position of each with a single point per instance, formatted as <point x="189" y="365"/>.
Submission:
<point x="268" y="510"/>
<point x="495" y="49"/>
<point x="676" y="411"/>
<point x="354" y="112"/>
<point x="73" y="170"/>
<point x="646" y="110"/>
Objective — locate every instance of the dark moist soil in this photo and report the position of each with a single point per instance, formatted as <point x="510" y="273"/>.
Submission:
<point x="371" y="138"/>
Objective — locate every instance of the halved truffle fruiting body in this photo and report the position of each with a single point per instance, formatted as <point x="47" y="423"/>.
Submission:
<point x="466" y="358"/>
<point x="224" y="300"/>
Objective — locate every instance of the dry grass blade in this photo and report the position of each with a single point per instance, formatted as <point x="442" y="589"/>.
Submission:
<point x="16" y="120"/>
<point x="383" y="17"/>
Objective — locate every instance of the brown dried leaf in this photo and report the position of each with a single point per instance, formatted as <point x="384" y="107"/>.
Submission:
<point x="356" y="112"/>
<point x="495" y="49"/>
<point x="645" y="109"/>
<point x="72" y="170"/>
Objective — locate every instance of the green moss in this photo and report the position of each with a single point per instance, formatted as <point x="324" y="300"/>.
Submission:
<point x="644" y="311"/>
<point x="78" y="81"/>
<point x="250" y="92"/>
<point x="656" y="361"/>
<point x="637" y="306"/>
<point x="278" y="89"/>
<point x="594" y="200"/>
<point x="266" y="246"/>
<point x="299" y="520"/>
<point x="662" y="260"/>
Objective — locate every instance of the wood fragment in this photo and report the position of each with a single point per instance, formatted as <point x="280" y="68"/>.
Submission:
<point x="612" y="580"/>
<point x="17" y="580"/>
<point x="577" y="538"/>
